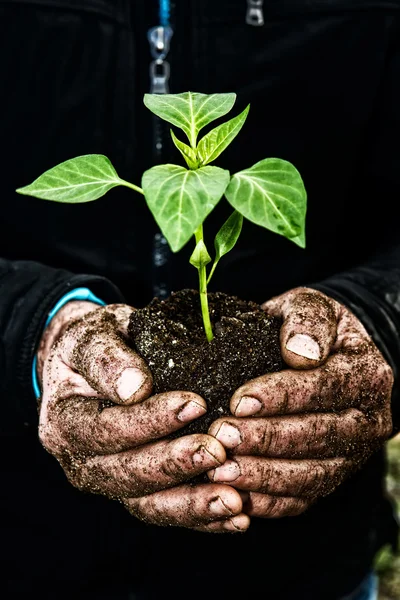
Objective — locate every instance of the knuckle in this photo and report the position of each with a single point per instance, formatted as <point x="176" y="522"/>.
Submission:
<point x="291" y="507"/>
<point x="173" y="467"/>
<point x="387" y="375"/>
<point x="145" y="509"/>
<point x="50" y="438"/>
<point x="325" y="438"/>
<point x="265" y="478"/>
<point x="269" y="438"/>
<point x="313" y="480"/>
<point x="385" y="425"/>
<point x="297" y="507"/>
<point x="272" y="507"/>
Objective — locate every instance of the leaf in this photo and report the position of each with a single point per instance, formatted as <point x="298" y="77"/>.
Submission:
<point x="271" y="194"/>
<point x="188" y="154"/>
<point x="300" y="240"/>
<point x="180" y="200"/>
<point x="200" y="257"/>
<point x="228" y="235"/>
<point x="77" y="180"/>
<point x="215" y="142"/>
<point x="190" y="111"/>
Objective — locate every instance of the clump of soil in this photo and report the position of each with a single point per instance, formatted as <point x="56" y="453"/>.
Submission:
<point x="169" y="335"/>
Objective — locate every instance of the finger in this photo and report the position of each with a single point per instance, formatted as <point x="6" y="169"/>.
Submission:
<point x="304" y="478"/>
<point x="351" y="333"/>
<point x="266" y="506"/>
<point x="309" y="326"/>
<point x="191" y="506"/>
<point x="237" y="524"/>
<point x="95" y="349"/>
<point x="320" y="435"/>
<point x="119" y="315"/>
<point x="151" y="468"/>
<point x="347" y="379"/>
<point x="91" y="429"/>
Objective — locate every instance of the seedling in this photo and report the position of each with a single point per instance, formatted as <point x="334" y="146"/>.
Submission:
<point x="270" y="193"/>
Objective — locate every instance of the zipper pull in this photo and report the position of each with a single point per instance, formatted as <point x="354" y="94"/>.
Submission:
<point x="255" y="13"/>
<point x="160" y="40"/>
<point x="159" y="77"/>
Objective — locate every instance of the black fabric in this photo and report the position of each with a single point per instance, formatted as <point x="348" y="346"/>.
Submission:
<point x="323" y="82"/>
<point x="29" y="292"/>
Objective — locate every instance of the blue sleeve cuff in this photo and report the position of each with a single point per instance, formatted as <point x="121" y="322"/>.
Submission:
<point x="76" y="294"/>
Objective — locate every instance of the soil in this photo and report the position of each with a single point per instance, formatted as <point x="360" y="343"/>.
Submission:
<point x="169" y="335"/>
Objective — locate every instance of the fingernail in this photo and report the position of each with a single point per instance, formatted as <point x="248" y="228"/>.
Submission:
<point x="217" y="507"/>
<point x="229" y="471"/>
<point x="129" y="382"/>
<point x="237" y="524"/>
<point x="304" y="345"/>
<point x="248" y="406"/>
<point x="191" y="410"/>
<point x="229" y="436"/>
<point x="204" y="458"/>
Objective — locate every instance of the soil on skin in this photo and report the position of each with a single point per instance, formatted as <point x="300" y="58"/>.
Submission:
<point x="169" y="335"/>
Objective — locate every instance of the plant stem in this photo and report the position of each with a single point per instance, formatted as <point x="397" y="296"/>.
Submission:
<point x="203" y="292"/>
<point x="212" y="271"/>
<point x="132" y="186"/>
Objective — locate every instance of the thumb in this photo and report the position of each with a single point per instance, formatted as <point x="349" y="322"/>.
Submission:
<point x="309" y="327"/>
<point x="94" y="346"/>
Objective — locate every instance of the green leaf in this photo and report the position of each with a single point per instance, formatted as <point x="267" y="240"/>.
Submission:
<point x="180" y="200"/>
<point x="200" y="257"/>
<point x="80" y="179"/>
<point x="188" y="154"/>
<point x="271" y="194"/>
<point x="300" y="240"/>
<point x="226" y="238"/>
<point x="228" y="235"/>
<point x="215" y="142"/>
<point x="190" y="111"/>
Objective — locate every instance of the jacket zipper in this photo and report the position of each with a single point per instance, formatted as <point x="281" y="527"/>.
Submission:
<point x="255" y="13"/>
<point x="159" y="38"/>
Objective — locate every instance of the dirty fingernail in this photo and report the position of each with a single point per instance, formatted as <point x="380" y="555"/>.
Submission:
<point x="191" y="410"/>
<point x="248" y="406"/>
<point x="129" y="382"/>
<point x="229" y="471"/>
<point x="229" y="436"/>
<point x="204" y="458"/>
<point x="304" y="345"/>
<point x="239" y="523"/>
<point x="217" y="507"/>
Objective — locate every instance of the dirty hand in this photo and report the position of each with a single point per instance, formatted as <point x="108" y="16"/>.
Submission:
<point x="98" y="419"/>
<point x="300" y="432"/>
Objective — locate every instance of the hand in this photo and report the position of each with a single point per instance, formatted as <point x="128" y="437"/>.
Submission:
<point x="314" y="423"/>
<point x="97" y="419"/>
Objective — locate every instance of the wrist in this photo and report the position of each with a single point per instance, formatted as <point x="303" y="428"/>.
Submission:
<point x="73" y="310"/>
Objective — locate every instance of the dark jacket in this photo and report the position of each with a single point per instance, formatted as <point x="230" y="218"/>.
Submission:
<point x="323" y="79"/>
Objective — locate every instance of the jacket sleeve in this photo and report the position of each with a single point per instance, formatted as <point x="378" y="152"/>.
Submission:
<point x="372" y="290"/>
<point x="28" y="291"/>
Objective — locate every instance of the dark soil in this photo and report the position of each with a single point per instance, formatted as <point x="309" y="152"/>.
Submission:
<point x="169" y="335"/>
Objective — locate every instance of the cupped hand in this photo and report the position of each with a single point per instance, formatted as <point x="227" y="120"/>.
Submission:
<point x="99" y="420"/>
<point x="297" y="434"/>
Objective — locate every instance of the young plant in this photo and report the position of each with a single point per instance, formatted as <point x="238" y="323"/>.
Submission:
<point x="270" y="193"/>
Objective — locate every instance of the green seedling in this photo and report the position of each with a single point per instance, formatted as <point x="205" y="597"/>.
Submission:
<point x="271" y="193"/>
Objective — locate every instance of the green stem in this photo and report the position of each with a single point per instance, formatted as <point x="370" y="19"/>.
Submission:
<point x="132" y="186"/>
<point x="203" y="292"/>
<point x="212" y="271"/>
